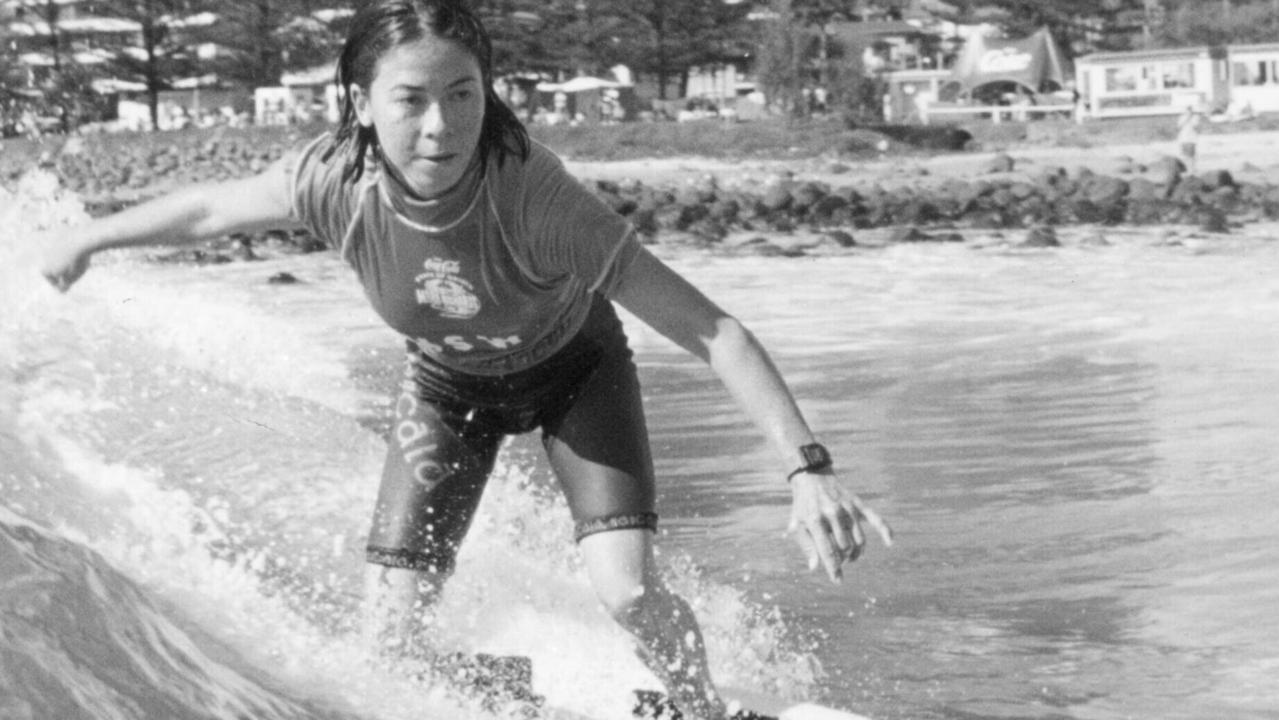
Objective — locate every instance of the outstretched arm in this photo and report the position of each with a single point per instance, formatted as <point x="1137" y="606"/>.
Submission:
<point x="184" y="217"/>
<point x="826" y="519"/>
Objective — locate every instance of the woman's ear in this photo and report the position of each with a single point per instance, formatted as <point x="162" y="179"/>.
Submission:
<point x="360" y="101"/>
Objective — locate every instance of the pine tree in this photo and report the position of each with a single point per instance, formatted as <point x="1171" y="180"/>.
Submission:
<point x="1199" y="23"/>
<point x="263" y="39"/>
<point x="160" y="57"/>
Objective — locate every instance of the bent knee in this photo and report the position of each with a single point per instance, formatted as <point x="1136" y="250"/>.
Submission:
<point x="630" y="603"/>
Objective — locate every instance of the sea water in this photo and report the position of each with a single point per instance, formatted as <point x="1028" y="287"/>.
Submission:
<point x="1074" y="445"/>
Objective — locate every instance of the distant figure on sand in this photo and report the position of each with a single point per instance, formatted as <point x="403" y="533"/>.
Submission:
<point x="1188" y="135"/>
<point x="501" y="271"/>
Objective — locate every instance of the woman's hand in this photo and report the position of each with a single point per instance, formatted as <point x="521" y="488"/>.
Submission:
<point x="63" y="262"/>
<point x="826" y="521"/>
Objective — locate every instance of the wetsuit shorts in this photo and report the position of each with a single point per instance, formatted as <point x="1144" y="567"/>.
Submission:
<point x="448" y="426"/>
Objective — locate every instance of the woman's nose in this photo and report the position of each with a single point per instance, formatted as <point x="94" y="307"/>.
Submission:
<point x="433" y="122"/>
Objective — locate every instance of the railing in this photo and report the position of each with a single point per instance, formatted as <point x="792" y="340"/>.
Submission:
<point x="997" y="113"/>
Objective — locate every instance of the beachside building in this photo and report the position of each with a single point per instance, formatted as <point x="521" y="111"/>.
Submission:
<point x="1254" y="77"/>
<point x="1152" y="82"/>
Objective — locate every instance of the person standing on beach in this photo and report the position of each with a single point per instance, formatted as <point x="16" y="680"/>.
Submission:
<point x="501" y="272"/>
<point x="1188" y="136"/>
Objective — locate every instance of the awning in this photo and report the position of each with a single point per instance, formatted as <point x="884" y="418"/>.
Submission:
<point x="328" y="16"/>
<point x="318" y="75"/>
<point x="1029" y="62"/>
<point x="89" y="57"/>
<point x="29" y="93"/>
<point x="76" y="25"/>
<point x="200" y="81"/>
<point x="108" y="86"/>
<point x="203" y="19"/>
<point x="578" y="84"/>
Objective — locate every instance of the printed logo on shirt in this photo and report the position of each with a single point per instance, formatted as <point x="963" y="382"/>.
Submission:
<point x="442" y="288"/>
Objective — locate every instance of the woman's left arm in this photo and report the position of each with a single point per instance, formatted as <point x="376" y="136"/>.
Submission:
<point x="826" y="519"/>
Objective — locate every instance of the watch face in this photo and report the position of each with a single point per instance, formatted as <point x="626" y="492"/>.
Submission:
<point x="815" y="455"/>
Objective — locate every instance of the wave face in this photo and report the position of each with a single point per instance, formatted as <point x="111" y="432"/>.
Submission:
<point x="189" y="461"/>
<point x="83" y="641"/>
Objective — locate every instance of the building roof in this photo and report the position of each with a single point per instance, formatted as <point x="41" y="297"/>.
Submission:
<point x="875" y="29"/>
<point x="1146" y="55"/>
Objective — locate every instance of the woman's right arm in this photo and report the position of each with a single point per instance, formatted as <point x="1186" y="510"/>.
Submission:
<point x="184" y="217"/>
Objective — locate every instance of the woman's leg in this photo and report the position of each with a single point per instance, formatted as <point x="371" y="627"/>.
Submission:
<point x="622" y="570"/>
<point x="598" y="447"/>
<point x="436" y="467"/>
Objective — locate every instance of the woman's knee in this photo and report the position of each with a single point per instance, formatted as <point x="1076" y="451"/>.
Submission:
<point x="621" y="568"/>
<point x="628" y="602"/>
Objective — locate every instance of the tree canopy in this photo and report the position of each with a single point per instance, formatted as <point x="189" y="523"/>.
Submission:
<point x="786" y="42"/>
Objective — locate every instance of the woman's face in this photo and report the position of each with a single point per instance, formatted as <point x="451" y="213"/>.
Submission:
<point x="426" y="102"/>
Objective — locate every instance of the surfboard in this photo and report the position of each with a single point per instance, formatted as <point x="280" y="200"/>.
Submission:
<point x="505" y="683"/>
<point x="748" y="700"/>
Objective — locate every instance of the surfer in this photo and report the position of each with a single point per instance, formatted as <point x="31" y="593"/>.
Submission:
<point x="501" y="272"/>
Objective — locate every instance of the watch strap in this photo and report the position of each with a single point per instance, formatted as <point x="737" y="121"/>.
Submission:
<point x="814" y="457"/>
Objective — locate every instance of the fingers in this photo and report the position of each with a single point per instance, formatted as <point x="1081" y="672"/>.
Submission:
<point x="821" y="539"/>
<point x="827" y="523"/>
<point x="872" y="517"/>
<point x="832" y="539"/>
<point x="63" y="280"/>
<point x="58" y="282"/>
<point x="825" y="546"/>
<point x="805" y="543"/>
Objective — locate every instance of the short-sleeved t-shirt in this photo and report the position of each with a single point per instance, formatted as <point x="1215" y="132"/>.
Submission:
<point x="492" y="277"/>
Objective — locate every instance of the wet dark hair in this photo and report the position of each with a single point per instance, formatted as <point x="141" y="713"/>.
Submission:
<point x="382" y="25"/>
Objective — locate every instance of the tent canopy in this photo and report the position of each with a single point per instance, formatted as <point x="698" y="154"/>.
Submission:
<point x="1030" y="62"/>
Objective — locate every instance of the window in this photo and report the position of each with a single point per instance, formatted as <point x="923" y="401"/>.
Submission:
<point x="1250" y="73"/>
<point x="1121" y="79"/>
<point x="1179" y="75"/>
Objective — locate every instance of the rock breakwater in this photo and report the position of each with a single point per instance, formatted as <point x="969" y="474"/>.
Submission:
<point x="114" y="172"/>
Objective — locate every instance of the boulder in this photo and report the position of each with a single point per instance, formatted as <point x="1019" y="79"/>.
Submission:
<point x="1040" y="236"/>
<point x="1143" y="189"/>
<point x="725" y="210"/>
<point x="828" y="208"/>
<point x="1104" y="190"/>
<point x="1001" y="163"/>
<point x="912" y="234"/>
<point x="1217" y="179"/>
<point x="840" y="238"/>
<point x="776" y="197"/>
<point x="1165" y="171"/>
<point x="1213" y="220"/>
<point x="807" y="195"/>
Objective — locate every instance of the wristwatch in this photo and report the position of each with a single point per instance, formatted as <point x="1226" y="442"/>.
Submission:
<point x="814" y="457"/>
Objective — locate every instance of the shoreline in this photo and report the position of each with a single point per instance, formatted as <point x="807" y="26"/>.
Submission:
<point x="1254" y="155"/>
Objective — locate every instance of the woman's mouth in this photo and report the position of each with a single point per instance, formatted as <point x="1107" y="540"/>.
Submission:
<point x="438" y="157"/>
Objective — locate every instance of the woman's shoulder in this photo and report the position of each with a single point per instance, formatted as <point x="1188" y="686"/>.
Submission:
<point x="314" y="153"/>
<point x="536" y="166"/>
<point x="319" y="186"/>
<point x="321" y="164"/>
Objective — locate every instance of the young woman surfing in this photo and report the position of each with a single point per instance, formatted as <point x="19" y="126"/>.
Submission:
<point x="500" y="270"/>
